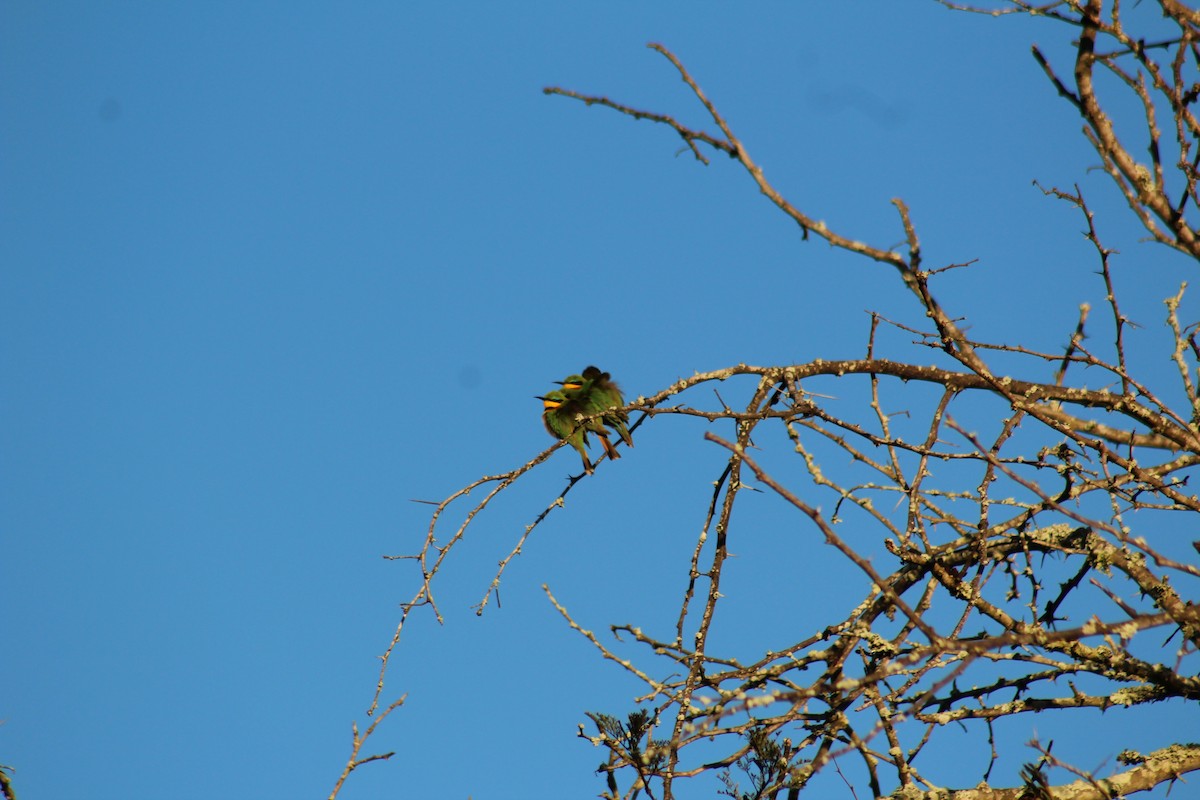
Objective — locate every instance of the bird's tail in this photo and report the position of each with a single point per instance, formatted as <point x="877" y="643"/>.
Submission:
<point x="609" y="450"/>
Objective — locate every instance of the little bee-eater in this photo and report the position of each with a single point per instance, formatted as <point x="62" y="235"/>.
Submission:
<point x="597" y="392"/>
<point x="561" y="420"/>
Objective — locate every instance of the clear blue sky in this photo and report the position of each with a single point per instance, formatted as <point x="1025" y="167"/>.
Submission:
<point x="270" y="271"/>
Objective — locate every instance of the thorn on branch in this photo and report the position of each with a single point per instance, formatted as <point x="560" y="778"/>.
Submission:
<point x="1058" y="84"/>
<point x="377" y="757"/>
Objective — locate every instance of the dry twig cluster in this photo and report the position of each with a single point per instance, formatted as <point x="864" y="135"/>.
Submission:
<point x="1030" y="569"/>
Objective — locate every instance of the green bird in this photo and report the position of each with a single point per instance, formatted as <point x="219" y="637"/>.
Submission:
<point x="561" y="420"/>
<point x="598" y="393"/>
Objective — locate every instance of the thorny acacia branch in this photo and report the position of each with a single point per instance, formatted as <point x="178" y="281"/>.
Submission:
<point x="1028" y="562"/>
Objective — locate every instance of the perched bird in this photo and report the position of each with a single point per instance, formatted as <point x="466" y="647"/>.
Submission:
<point x="561" y="420"/>
<point x="597" y="392"/>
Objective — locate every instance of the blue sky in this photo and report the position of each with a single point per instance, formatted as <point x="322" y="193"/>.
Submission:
<point x="271" y="271"/>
